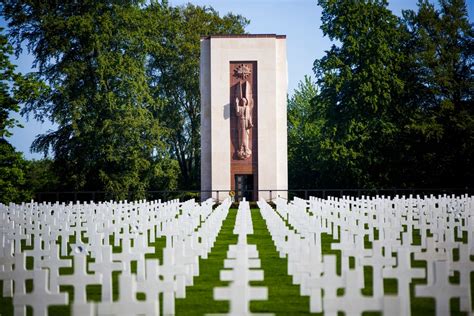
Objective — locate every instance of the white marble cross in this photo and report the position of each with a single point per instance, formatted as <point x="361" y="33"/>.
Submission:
<point x="80" y="279"/>
<point x="441" y="289"/>
<point x="152" y="286"/>
<point x="167" y="272"/>
<point x="240" y="296"/>
<point x="53" y="263"/>
<point x="464" y="266"/>
<point x="378" y="261"/>
<point x="104" y="266"/>
<point x="20" y="274"/>
<point x="128" y="304"/>
<point x="328" y="281"/>
<point x="404" y="274"/>
<point x="40" y="298"/>
<point x="353" y="302"/>
<point x="7" y="261"/>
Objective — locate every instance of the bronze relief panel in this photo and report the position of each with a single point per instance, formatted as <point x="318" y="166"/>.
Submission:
<point x="243" y="119"/>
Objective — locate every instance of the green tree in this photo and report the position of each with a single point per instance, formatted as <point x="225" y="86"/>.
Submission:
<point x="12" y="174"/>
<point x="359" y="88"/>
<point x="174" y="76"/>
<point x="12" y="164"/>
<point x="304" y="137"/>
<point x="7" y="77"/>
<point x="93" y="56"/>
<point x="440" y="86"/>
<point x="40" y="176"/>
<point x="395" y="97"/>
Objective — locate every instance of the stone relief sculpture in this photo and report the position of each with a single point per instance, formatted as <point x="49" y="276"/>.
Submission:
<point x="243" y="110"/>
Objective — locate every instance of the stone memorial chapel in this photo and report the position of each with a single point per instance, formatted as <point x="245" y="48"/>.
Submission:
<point x="243" y="82"/>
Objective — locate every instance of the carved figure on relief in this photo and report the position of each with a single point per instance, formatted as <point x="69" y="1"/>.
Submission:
<point x="243" y="110"/>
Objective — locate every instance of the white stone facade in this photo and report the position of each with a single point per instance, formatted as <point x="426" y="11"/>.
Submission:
<point x="269" y="51"/>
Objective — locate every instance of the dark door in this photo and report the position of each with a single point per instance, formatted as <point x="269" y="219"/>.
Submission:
<point x="243" y="187"/>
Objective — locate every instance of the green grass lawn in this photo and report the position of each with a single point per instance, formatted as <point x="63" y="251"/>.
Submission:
<point x="199" y="300"/>
<point x="284" y="298"/>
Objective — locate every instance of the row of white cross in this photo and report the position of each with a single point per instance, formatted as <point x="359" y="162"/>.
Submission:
<point x="243" y="262"/>
<point x="46" y="229"/>
<point x="445" y="226"/>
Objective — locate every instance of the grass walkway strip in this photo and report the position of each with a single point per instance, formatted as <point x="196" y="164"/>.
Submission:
<point x="283" y="297"/>
<point x="199" y="297"/>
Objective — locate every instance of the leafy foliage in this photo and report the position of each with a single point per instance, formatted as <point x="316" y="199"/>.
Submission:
<point x="12" y="164"/>
<point x="7" y="75"/>
<point x="93" y="58"/>
<point x="359" y="89"/>
<point x="394" y="106"/>
<point x="12" y="174"/>
<point x="304" y="134"/>
<point x="121" y="81"/>
<point x="40" y="176"/>
<point x="439" y="76"/>
<point x="174" y="76"/>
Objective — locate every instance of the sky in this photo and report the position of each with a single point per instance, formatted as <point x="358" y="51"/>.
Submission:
<point x="299" y="20"/>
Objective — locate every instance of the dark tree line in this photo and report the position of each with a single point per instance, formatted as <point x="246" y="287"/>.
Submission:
<point x="121" y="81"/>
<point x="392" y="105"/>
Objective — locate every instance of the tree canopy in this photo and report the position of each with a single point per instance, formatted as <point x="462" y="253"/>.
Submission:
<point x="394" y="106"/>
<point x="12" y="164"/>
<point x="391" y="104"/>
<point x="120" y="79"/>
<point x="174" y="76"/>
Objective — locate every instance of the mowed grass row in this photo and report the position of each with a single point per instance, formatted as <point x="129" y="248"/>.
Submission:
<point x="284" y="298"/>
<point x="199" y="297"/>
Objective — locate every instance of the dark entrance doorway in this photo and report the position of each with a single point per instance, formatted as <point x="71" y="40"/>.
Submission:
<point x="244" y="187"/>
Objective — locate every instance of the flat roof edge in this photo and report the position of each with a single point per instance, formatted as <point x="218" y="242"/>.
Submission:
<point x="245" y="36"/>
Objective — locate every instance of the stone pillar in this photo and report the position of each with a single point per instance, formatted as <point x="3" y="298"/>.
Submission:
<point x="243" y="84"/>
